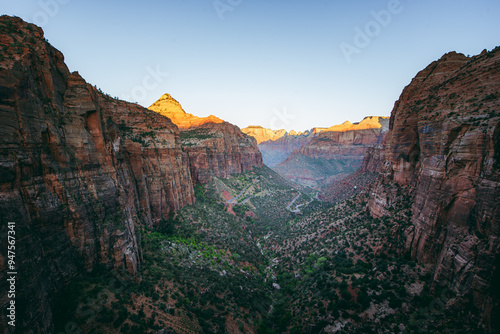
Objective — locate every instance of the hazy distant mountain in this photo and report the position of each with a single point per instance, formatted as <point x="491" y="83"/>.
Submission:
<point x="320" y="155"/>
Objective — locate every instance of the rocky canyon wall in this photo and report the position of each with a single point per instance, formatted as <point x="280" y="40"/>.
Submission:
<point x="443" y="150"/>
<point x="78" y="172"/>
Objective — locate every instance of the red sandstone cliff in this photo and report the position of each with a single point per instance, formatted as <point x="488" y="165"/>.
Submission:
<point x="443" y="150"/>
<point x="214" y="147"/>
<point x="78" y="172"/>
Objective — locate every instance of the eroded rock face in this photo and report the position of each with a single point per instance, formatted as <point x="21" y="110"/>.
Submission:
<point x="214" y="147"/>
<point x="78" y="172"/>
<point x="443" y="148"/>
<point x="334" y="153"/>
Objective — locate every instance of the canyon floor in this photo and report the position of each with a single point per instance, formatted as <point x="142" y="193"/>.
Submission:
<point x="257" y="267"/>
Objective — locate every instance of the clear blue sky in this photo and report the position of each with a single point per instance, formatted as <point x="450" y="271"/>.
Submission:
<point x="273" y="63"/>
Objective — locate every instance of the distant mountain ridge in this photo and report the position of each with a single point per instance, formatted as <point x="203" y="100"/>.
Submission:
<point x="277" y="145"/>
<point x="348" y="139"/>
<point x="262" y="134"/>
<point x="321" y="155"/>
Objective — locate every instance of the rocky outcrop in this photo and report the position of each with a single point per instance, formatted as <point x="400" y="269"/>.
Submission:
<point x="78" y="172"/>
<point x="215" y="148"/>
<point x="169" y="107"/>
<point x="443" y="151"/>
<point x="334" y="153"/>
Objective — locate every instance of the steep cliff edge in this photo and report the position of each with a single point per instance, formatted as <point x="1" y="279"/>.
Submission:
<point x="78" y="172"/>
<point x="443" y="152"/>
<point x="214" y="147"/>
<point x="334" y="153"/>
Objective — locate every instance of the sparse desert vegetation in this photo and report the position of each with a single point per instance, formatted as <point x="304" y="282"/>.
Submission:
<point x="256" y="267"/>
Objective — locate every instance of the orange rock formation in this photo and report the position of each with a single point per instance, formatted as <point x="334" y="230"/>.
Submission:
<point x="169" y="107"/>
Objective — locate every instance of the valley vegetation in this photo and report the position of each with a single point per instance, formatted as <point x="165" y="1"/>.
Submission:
<point x="256" y="267"/>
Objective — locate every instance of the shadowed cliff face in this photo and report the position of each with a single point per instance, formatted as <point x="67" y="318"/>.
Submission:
<point x="78" y="172"/>
<point x="214" y="147"/>
<point x="443" y="150"/>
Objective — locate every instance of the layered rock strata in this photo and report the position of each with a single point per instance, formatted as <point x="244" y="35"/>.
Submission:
<point x="443" y="150"/>
<point x="78" y="172"/>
